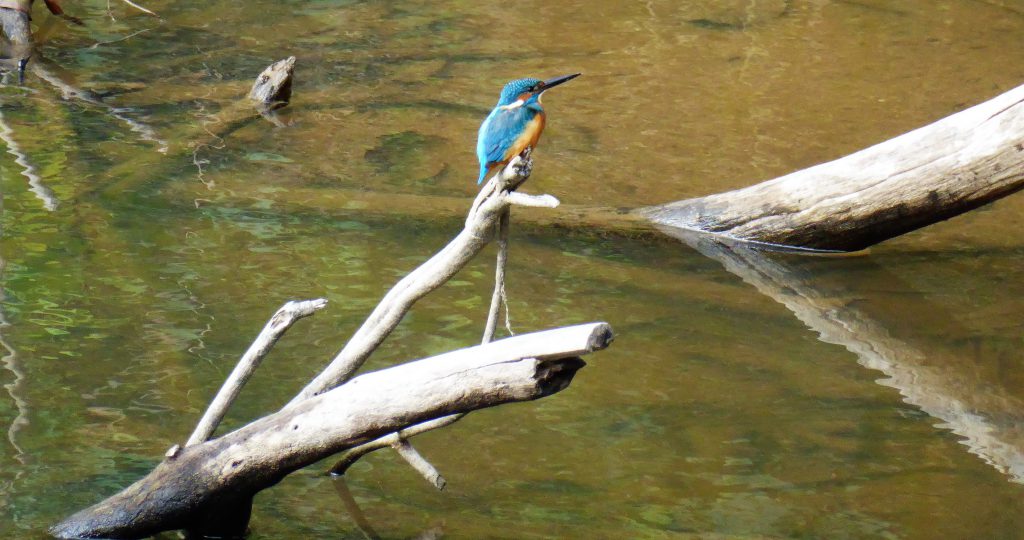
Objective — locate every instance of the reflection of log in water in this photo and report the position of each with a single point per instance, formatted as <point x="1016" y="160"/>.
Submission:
<point x="989" y="418"/>
<point x="69" y="91"/>
<point x="28" y="170"/>
<point x="15" y="388"/>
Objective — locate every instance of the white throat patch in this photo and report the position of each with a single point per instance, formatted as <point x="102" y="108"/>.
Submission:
<point x="515" y="105"/>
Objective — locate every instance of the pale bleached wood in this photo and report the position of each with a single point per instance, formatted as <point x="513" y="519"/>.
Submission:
<point x="189" y="487"/>
<point x="498" y="296"/>
<point x="399" y="441"/>
<point x="352" y="455"/>
<point x="927" y="175"/>
<point x="278" y="324"/>
<point x="419" y="463"/>
<point x="479" y="227"/>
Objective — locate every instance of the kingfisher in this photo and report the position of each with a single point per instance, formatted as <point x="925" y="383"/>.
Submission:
<point x="515" y="124"/>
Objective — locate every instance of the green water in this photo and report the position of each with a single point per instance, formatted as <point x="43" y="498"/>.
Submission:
<point x="874" y="396"/>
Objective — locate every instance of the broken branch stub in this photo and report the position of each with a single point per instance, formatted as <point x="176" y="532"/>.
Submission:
<point x="273" y="87"/>
<point x="922" y="177"/>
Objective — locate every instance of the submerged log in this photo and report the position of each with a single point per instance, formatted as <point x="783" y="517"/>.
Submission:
<point x="188" y="489"/>
<point x="927" y="175"/>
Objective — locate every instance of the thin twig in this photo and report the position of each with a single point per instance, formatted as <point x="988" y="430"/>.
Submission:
<point x="274" y="329"/>
<point x="499" y="277"/>
<point x="353" y="454"/>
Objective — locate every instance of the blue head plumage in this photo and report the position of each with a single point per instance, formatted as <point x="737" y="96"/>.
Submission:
<point x="511" y="92"/>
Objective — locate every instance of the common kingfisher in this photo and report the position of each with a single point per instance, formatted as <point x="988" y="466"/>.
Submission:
<point x="515" y="124"/>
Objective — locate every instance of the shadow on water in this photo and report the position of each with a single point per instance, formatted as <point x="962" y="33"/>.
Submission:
<point x="953" y="389"/>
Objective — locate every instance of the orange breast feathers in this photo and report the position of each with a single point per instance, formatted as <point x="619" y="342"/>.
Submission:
<point x="528" y="138"/>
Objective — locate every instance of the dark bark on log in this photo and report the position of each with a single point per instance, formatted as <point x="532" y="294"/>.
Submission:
<point x="928" y="175"/>
<point x="189" y="488"/>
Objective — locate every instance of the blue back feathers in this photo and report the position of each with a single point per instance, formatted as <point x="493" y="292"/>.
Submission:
<point x="502" y="128"/>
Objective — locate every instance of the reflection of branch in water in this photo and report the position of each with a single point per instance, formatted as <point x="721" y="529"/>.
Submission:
<point x="28" y="170"/>
<point x="122" y="38"/>
<point x="69" y="91"/>
<point x="990" y="421"/>
<point x="352" y="507"/>
<point x="16" y="388"/>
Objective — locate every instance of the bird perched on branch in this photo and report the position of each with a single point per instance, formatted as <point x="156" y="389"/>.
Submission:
<point x="515" y="124"/>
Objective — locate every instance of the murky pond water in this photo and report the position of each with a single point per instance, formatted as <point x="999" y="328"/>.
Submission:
<point x="148" y="236"/>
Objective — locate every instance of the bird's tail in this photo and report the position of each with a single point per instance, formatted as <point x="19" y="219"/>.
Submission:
<point x="483" y="174"/>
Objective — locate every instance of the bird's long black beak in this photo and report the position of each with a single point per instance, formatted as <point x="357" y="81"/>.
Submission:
<point x="548" y="84"/>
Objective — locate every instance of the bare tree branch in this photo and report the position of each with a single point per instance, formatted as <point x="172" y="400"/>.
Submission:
<point x="274" y="329"/>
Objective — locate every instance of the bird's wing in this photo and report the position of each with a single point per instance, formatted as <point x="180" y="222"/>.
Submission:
<point x="500" y="132"/>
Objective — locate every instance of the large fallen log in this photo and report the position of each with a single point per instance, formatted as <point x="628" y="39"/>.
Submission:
<point x="197" y="487"/>
<point x="927" y="175"/>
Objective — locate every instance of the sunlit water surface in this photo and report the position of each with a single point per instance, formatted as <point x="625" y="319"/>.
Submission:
<point x="876" y="396"/>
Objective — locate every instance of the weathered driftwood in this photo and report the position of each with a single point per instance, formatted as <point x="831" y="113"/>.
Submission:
<point x="990" y="420"/>
<point x="498" y="296"/>
<point x="352" y="455"/>
<point x="186" y="490"/>
<point x="485" y="213"/>
<point x="208" y="487"/>
<point x="928" y="175"/>
<point x="273" y="87"/>
<point x="274" y="329"/>
<point x="399" y="440"/>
